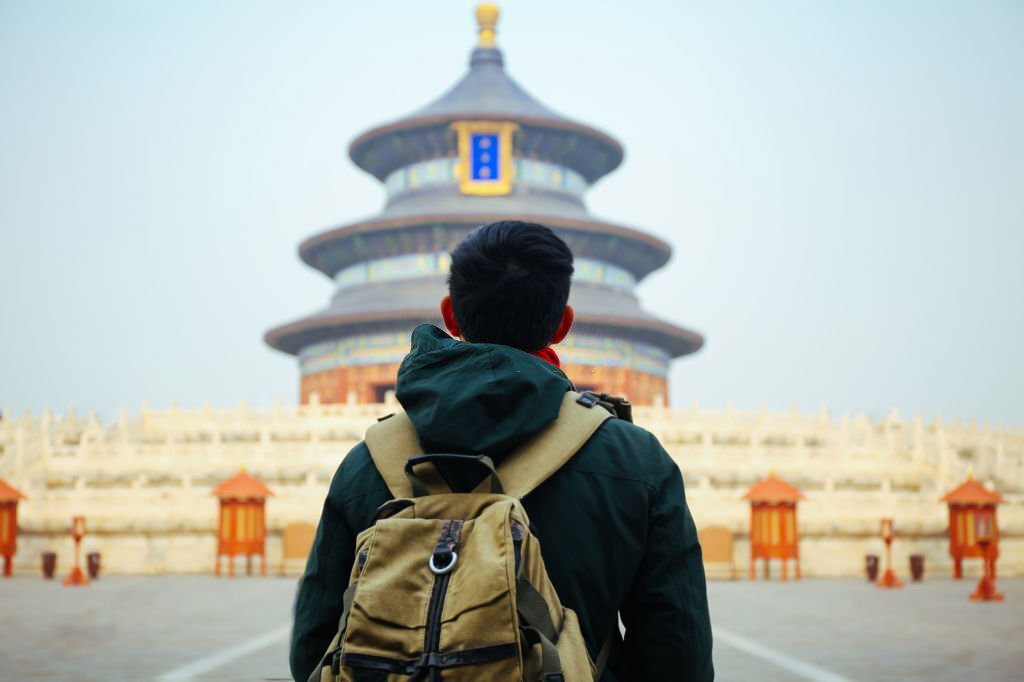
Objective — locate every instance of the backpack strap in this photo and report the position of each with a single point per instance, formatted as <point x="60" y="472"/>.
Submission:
<point x="536" y="460"/>
<point x="392" y="441"/>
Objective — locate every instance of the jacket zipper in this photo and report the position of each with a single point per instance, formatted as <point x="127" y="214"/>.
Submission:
<point x="432" y="638"/>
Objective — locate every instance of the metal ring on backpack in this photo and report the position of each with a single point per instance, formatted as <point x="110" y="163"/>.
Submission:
<point x="443" y="569"/>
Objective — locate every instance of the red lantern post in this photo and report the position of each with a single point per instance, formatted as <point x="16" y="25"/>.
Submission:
<point x="773" y="528"/>
<point x="242" y="529"/>
<point x="986" y="590"/>
<point x="888" y="579"/>
<point x="9" y="497"/>
<point x="971" y="503"/>
<point x="77" y="577"/>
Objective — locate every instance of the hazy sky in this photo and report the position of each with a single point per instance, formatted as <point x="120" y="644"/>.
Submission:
<point x="842" y="183"/>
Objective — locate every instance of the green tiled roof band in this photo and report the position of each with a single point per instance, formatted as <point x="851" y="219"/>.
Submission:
<point x="529" y="172"/>
<point x="425" y="264"/>
<point x="576" y="349"/>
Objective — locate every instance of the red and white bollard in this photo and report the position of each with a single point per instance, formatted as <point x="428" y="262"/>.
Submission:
<point x="77" y="576"/>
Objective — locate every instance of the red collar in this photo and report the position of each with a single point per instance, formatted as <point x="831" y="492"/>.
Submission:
<point x="547" y="354"/>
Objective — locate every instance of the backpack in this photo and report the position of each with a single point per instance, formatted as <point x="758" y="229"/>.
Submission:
<point x="452" y="585"/>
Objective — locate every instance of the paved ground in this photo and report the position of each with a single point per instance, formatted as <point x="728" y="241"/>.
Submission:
<point x="181" y="627"/>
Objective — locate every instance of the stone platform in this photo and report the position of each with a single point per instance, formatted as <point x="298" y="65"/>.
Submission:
<point x="144" y="482"/>
<point x="201" y="627"/>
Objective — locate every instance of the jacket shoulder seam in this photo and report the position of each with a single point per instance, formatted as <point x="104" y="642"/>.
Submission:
<point x="366" y="493"/>
<point x="605" y="474"/>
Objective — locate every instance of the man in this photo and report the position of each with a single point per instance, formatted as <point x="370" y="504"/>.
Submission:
<point x="615" y="531"/>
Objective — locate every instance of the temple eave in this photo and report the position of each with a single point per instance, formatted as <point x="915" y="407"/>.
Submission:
<point x="657" y="251"/>
<point x="361" y="149"/>
<point x="291" y="338"/>
<point x="677" y="341"/>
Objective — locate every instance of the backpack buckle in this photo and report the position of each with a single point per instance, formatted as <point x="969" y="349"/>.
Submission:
<point x="454" y="556"/>
<point x="587" y="400"/>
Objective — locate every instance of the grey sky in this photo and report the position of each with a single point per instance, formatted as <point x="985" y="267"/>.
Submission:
<point x="843" y="185"/>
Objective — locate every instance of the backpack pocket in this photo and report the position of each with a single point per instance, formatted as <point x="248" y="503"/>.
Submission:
<point x="479" y="614"/>
<point x="433" y="594"/>
<point x="393" y="590"/>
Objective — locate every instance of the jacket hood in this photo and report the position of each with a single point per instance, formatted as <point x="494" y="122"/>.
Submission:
<point x="476" y="398"/>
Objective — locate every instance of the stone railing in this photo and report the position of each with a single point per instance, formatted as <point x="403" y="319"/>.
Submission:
<point x="146" y="478"/>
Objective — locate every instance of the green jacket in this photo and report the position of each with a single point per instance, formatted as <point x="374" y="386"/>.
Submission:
<point x="613" y="523"/>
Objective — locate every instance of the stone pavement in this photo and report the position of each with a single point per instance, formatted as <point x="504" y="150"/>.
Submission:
<point x="177" y="627"/>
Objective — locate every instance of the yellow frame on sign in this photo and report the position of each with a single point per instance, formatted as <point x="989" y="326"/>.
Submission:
<point x="499" y="185"/>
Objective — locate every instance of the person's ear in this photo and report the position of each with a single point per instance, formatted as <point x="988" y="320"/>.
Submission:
<point x="568" y="315"/>
<point x="448" y="314"/>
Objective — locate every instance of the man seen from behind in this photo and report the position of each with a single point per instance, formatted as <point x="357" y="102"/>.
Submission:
<point x="616" y="534"/>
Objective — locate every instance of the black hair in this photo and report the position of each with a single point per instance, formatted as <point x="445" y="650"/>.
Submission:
<point x="509" y="284"/>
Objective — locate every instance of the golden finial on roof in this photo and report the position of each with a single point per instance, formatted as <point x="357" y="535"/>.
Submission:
<point x="243" y="470"/>
<point x="970" y="473"/>
<point x="487" y="14"/>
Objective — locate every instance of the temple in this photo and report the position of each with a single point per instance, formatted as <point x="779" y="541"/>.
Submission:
<point x="160" y="490"/>
<point x="486" y="150"/>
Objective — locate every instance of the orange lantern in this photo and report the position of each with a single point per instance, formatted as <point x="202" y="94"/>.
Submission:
<point x="242" y="529"/>
<point x="9" y="497"/>
<point x="773" y="527"/>
<point x="971" y="504"/>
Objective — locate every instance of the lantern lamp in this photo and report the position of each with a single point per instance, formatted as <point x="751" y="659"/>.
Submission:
<point x="773" y="527"/>
<point x="242" y="529"/>
<point x="971" y="503"/>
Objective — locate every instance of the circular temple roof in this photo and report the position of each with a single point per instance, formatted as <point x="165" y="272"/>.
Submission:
<point x="410" y="302"/>
<point x="330" y="251"/>
<point x="486" y="92"/>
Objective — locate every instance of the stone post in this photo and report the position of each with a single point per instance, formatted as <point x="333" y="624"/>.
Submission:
<point x="756" y="445"/>
<point x="707" y="444"/>
<point x="19" y="449"/>
<point x="945" y="456"/>
<point x="843" y="442"/>
<point x="917" y="442"/>
<point x="123" y="429"/>
<point x="999" y="457"/>
<point x="46" y="444"/>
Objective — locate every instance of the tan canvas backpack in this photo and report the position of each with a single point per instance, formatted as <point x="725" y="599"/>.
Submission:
<point x="451" y="585"/>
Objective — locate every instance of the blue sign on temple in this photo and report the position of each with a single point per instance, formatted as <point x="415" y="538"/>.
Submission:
<point x="484" y="155"/>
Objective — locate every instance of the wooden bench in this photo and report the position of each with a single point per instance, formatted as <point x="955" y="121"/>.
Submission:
<point x="716" y="545"/>
<point x="296" y="542"/>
